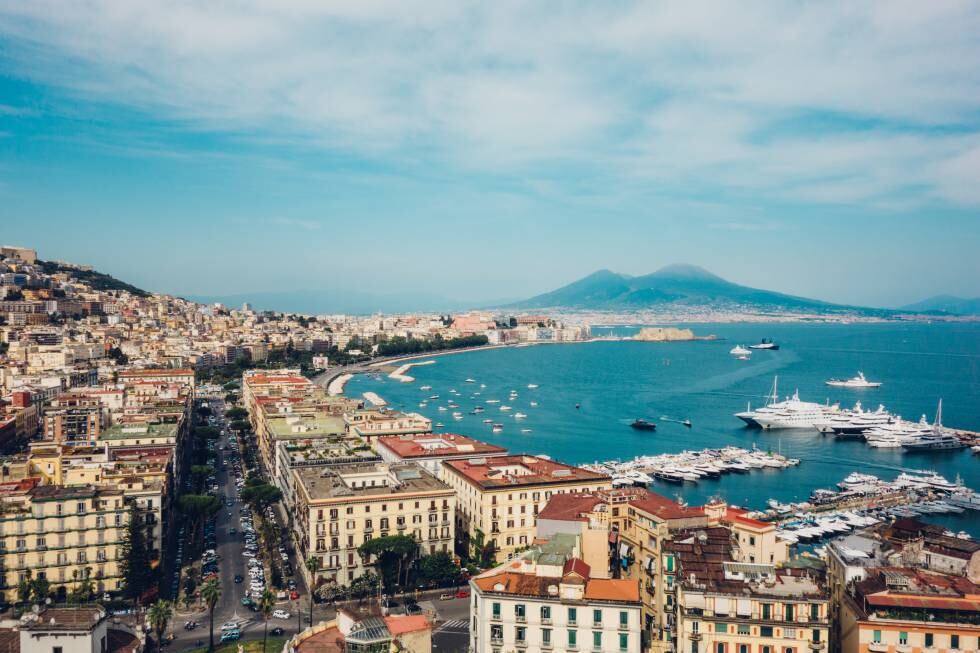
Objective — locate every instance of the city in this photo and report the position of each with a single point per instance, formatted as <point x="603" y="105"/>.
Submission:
<point x="190" y="473"/>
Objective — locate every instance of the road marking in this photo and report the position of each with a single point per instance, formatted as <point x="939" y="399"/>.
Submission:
<point x="456" y="625"/>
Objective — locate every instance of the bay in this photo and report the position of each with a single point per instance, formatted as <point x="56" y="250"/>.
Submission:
<point x="615" y="382"/>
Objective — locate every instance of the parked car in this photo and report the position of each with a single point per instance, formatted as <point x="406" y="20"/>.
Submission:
<point x="280" y="614"/>
<point x="462" y="594"/>
<point x="231" y="636"/>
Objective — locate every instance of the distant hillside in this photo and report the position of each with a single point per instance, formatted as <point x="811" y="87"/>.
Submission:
<point x="98" y="280"/>
<point x="946" y="304"/>
<point x="681" y="285"/>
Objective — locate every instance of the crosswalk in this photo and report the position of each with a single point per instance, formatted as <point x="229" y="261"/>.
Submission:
<point x="456" y="626"/>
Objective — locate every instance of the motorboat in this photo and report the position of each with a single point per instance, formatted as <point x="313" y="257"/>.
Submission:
<point x="643" y="425"/>
<point x="505" y="408"/>
<point x="532" y="386"/>
<point x="739" y="350"/>
<point x="855" y="382"/>
<point x="765" y="344"/>
<point x="497" y="428"/>
<point x="520" y="415"/>
<point x="470" y="381"/>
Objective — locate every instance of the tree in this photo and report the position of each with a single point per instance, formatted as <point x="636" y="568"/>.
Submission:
<point x="211" y="593"/>
<point x="313" y="566"/>
<point x="200" y="473"/>
<point x="437" y="570"/>
<point x="204" y="411"/>
<point x="240" y="425"/>
<point x="390" y="551"/>
<point x="236" y="413"/>
<point x="260" y="495"/>
<point x="135" y="564"/>
<point x="159" y="616"/>
<point x="40" y="589"/>
<point x="196" y="507"/>
<point x="266" y="603"/>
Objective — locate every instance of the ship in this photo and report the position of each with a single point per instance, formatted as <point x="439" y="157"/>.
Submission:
<point x="765" y="344"/>
<point x="856" y="382"/>
<point x="643" y="425"/>
<point x="739" y="350"/>
<point x="792" y="413"/>
<point x="936" y="439"/>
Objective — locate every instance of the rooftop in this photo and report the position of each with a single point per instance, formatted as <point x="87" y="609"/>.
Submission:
<point x="141" y="430"/>
<point x="437" y="445"/>
<point x="570" y="507"/>
<point x="304" y="425"/>
<point x="366" y="480"/>
<point x="520" y="470"/>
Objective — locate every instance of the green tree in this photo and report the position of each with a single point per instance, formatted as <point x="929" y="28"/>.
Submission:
<point x="200" y="473"/>
<point x="260" y="495"/>
<point x="240" y="425"/>
<point x="390" y="552"/>
<point x="266" y="603"/>
<point x="196" y="507"/>
<point x="159" y="616"/>
<point x="438" y="569"/>
<point x="236" y="413"/>
<point x="313" y="566"/>
<point x="135" y="559"/>
<point x="211" y="593"/>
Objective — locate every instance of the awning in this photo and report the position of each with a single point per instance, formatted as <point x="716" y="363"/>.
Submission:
<point x="694" y="600"/>
<point x="744" y="607"/>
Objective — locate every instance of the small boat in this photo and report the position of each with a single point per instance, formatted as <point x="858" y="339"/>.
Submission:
<point x="765" y="344"/>
<point x="478" y="409"/>
<point x="856" y="382"/>
<point x="520" y="415"/>
<point x="440" y="425"/>
<point x="442" y="409"/>
<point x="433" y="397"/>
<point x="683" y="422"/>
<point x="470" y="381"/>
<point x="643" y="425"/>
<point x="525" y="430"/>
<point x="425" y="387"/>
<point x="577" y="406"/>
<point x="488" y="421"/>
<point x="534" y="405"/>
<point x="497" y="428"/>
<point x="739" y="350"/>
<point x="493" y="401"/>
<point x="505" y="408"/>
<point x="532" y="386"/>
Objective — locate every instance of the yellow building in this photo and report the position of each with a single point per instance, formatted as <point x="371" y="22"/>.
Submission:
<point x="336" y="509"/>
<point x="500" y="497"/>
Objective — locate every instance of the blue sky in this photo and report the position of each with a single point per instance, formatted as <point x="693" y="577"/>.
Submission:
<point x="496" y="150"/>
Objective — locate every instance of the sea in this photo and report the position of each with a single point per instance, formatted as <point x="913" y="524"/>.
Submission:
<point x="588" y="393"/>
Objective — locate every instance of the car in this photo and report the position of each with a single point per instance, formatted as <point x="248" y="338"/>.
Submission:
<point x="446" y="596"/>
<point x="462" y="594"/>
<point x="231" y="636"/>
<point x="229" y="625"/>
<point x="246" y="601"/>
<point x="238" y="578"/>
<point x="277" y="631"/>
<point x="293" y="595"/>
<point x="280" y="614"/>
<point x="413" y="608"/>
<point x="233" y="531"/>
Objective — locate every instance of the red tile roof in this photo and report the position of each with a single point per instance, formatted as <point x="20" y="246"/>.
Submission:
<point x="738" y="515"/>
<point x="612" y="589"/>
<point x="664" y="508"/>
<point x="401" y="624"/>
<point x="490" y="472"/>
<point x="437" y="445"/>
<point x="569" y="507"/>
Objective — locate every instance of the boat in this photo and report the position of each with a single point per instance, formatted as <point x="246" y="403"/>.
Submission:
<point x="440" y="425"/>
<point x="855" y="382"/>
<point x="532" y="386"/>
<point x="497" y="428"/>
<point x="682" y="422"/>
<point x="493" y="401"/>
<point x="937" y="439"/>
<point x="792" y="413"/>
<point x="525" y="430"/>
<point x="488" y="421"/>
<point x="478" y="409"/>
<point x="739" y="350"/>
<point x="519" y="415"/>
<point x="505" y="408"/>
<point x="470" y="381"/>
<point x="534" y="404"/>
<point x="425" y="387"/>
<point x="765" y="344"/>
<point x="443" y="408"/>
<point x="643" y="425"/>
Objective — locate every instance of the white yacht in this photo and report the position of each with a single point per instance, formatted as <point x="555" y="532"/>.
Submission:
<point x="520" y="416"/>
<point x="532" y="386"/>
<point x="856" y="382"/>
<point x="852" y="424"/>
<point x="739" y="350"/>
<point x="793" y="413"/>
<point x="470" y="381"/>
<point x="936" y="438"/>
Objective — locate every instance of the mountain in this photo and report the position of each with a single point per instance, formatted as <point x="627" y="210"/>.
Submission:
<point x="946" y="304"/>
<point x="680" y="285"/>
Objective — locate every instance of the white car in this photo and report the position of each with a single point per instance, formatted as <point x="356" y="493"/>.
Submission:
<point x="280" y="614"/>
<point x="229" y="625"/>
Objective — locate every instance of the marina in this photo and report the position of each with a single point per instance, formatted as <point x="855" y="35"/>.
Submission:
<point x="690" y="466"/>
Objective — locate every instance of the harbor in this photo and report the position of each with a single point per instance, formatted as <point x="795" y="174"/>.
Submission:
<point x="690" y="466"/>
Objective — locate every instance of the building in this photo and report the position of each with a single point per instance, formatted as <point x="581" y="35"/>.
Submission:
<point x="719" y="604"/>
<point x="373" y="633"/>
<point x="24" y="254"/>
<point x="899" y="609"/>
<point x="500" y="497"/>
<point x="181" y="376"/>
<point x="378" y="422"/>
<point x="82" y="629"/>
<point x="430" y="449"/>
<point x="337" y="509"/>
<point x="552" y="603"/>
<point x="62" y="534"/>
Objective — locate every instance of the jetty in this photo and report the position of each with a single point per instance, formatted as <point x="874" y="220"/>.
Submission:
<point x="375" y="399"/>
<point x="399" y="374"/>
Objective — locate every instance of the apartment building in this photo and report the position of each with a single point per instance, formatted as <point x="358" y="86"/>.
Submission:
<point x="551" y="602"/>
<point x="378" y="422"/>
<point x="336" y="509"/>
<point x="63" y="534"/>
<point x="723" y="605"/>
<point x="500" y="497"/>
<point x="429" y="450"/>
<point x="181" y="376"/>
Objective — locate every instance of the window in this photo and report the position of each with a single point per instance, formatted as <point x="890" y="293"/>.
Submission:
<point x="721" y="628"/>
<point x="767" y="611"/>
<point x="670" y="563"/>
<point x="496" y="633"/>
<point x="597" y="617"/>
<point x="720" y="647"/>
<point x="624" y="618"/>
<point x="496" y="611"/>
<point x="876" y="637"/>
<point x="929" y="640"/>
<point x="520" y="634"/>
<point x="519" y="612"/>
<point x="765" y="631"/>
<point x="789" y="649"/>
<point x="766" y="649"/>
<point x="56" y="649"/>
<point x="743" y="629"/>
<point x="624" y="641"/>
<point x="789" y="612"/>
<point x="954" y="641"/>
<point x="596" y="640"/>
<point x="572" y="616"/>
<point x="903" y="638"/>
<point x="816" y="635"/>
<point x="546" y="637"/>
<point x="545" y="613"/>
<point x="814" y="611"/>
<point x="743" y="648"/>
<point x="573" y="639"/>
<point x="695" y="626"/>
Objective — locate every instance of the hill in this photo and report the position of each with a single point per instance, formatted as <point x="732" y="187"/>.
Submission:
<point x="949" y="304"/>
<point x="680" y="285"/>
<point x="97" y="280"/>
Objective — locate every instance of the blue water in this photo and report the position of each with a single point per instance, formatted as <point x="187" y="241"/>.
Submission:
<point x="615" y="382"/>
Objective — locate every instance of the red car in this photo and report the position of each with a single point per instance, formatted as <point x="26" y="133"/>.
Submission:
<point x="462" y="594"/>
<point x="294" y="595"/>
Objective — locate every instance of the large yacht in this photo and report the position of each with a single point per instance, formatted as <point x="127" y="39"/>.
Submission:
<point x="935" y="439"/>
<point x="852" y="424"/>
<point x="791" y="413"/>
<point x="896" y="434"/>
<point x="856" y="382"/>
<point x="765" y="344"/>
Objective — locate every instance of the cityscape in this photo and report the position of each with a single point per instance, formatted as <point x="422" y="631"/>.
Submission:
<point x="507" y="327"/>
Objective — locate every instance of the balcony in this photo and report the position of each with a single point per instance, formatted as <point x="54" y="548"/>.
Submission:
<point x="520" y="618"/>
<point x="521" y="643"/>
<point x="597" y="625"/>
<point x="878" y="647"/>
<point x="495" y="617"/>
<point x="817" y="646"/>
<point x="546" y="621"/>
<point x="546" y="645"/>
<point x="694" y="637"/>
<point x="496" y="640"/>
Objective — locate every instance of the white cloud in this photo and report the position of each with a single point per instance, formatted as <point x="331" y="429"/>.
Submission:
<point x="672" y="93"/>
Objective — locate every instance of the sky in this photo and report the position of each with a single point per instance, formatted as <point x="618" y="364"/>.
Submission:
<point x="484" y="151"/>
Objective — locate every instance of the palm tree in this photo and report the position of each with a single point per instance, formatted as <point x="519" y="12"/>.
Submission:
<point x="313" y="566"/>
<point x="211" y="593"/>
<point x="266" y="603"/>
<point x="159" y="616"/>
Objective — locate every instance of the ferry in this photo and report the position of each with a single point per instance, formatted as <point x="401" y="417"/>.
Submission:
<point x="855" y="382"/>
